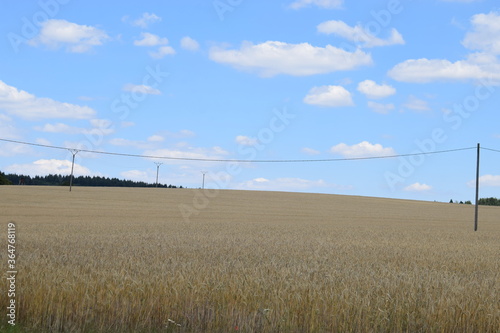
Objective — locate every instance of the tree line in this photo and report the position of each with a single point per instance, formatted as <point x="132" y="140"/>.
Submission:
<point x="483" y="201"/>
<point x="60" y="180"/>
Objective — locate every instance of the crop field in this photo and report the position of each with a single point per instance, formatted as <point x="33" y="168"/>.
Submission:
<point x="127" y="260"/>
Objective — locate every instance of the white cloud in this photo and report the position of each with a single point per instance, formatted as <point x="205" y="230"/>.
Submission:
<point x="329" y="96"/>
<point x="156" y="138"/>
<point x="8" y="149"/>
<point x="135" y="175"/>
<point x="289" y="184"/>
<point x="46" y="167"/>
<point x="375" y="91"/>
<point x="428" y="70"/>
<point x="486" y="180"/>
<point x="416" y="104"/>
<point x="358" y="34"/>
<point x="76" y="38"/>
<point x="327" y="4"/>
<point x="146" y="19"/>
<point x="149" y="39"/>
<point x="59" y="128"/>
<point x="7" y="128"/>
<point x="188" y="152"/>
<point x="272" y="58"/>
<point x="246" y="141"/>
<point x="43" y="141"/>
<point x="130" y="143"/>
<point x="179" y="134"/>
<point x="417" y="187"/>
<point x="184" y="133"/>
<point x="380" y="108"/>
<point x="485" y="35"/>
<point x="99" y="127"/>
<point x="362" y="149"/>
<point x="162" y="52"/>
<point x="27" y="106"/>
<point x="143" y="89"/>
<point x="310" y="151"/>
<point x="190" y="44"/>
<point x="483" y="66"/>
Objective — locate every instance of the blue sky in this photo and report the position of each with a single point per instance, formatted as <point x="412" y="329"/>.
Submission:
<point x="257" y="80"/>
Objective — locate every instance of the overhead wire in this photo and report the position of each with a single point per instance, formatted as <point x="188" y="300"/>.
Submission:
<point x="240" y="160"/>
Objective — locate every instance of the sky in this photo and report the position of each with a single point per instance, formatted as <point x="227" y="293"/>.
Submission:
<point x="323" y="82"/>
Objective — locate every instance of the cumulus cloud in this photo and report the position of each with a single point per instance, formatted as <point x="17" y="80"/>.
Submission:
<point x="162" y="52"/>
<point x="189" y="43"/>
<point x="156" y="138"/>
<point x="143" y="89"/>
<point x="99" y="127"/>
<point x="27" y="106"/>
<point x="7" y="127"/>
<point x="417" y="187"/>
<point x="59" y="128"/>
<point x="483" y="66"/>
<point x="47" y="167"/>
<point x="327" y="4"/>
<point x="485" y="35"/>
<point x="273" y="58"/>
<point x="416" y="104"/>
<point x="76" y="38"/>
<point x="149" y="39"/>
<point x="8" y="149"/>
<point x="131" y="143"/>
<point x="428" y="70"/>
<point x="375" y="91"/>
<point x="310" y="151"/>
<point x="145" y="20"/>
<point x="358" y="34"/>
<point x="135" y="175"/>
<point x="246" y="141"/>
<point x="329" y="96"/>
<point x="289" y="184"/>
<point x="486" y="180"/>
<point x="380" y="108"/>
<point x="362" y="149"/>
<point x="188" y="152"/>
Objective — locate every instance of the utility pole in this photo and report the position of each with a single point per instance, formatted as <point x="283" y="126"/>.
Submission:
<point x="203" y="183"/>
<point x="477" y="188"/>
<point x="157" y="171"/>
<point x="74" y="152"/>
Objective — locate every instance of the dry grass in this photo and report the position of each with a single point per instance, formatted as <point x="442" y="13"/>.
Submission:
<point x="124" y="260"/>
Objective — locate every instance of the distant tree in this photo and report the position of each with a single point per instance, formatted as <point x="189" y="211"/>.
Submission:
<point x="489" y="202"/>
<point x="451" y="200"/>
<point x="60" y="180"/>
<point x="468" y="202"/>
<point x="4" y="180"/>
<point x="461" y="202"/>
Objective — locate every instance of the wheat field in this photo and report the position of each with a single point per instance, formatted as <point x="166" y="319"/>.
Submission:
<point x="127" y="260"/>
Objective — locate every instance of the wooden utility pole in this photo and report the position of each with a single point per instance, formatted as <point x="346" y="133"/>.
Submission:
<point x="74" y="152"/>
<point x="477" y="188"/>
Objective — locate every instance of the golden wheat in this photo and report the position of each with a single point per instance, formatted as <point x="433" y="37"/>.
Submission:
<point x="125" y="260"/>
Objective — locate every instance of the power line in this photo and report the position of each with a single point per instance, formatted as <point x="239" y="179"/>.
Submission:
<point x="495" y="150"/>
<point x="242" y="161"/>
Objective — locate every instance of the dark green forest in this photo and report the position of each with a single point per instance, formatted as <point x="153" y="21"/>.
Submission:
<point x="489" y="202"/>
<point x="60" y="180"/>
